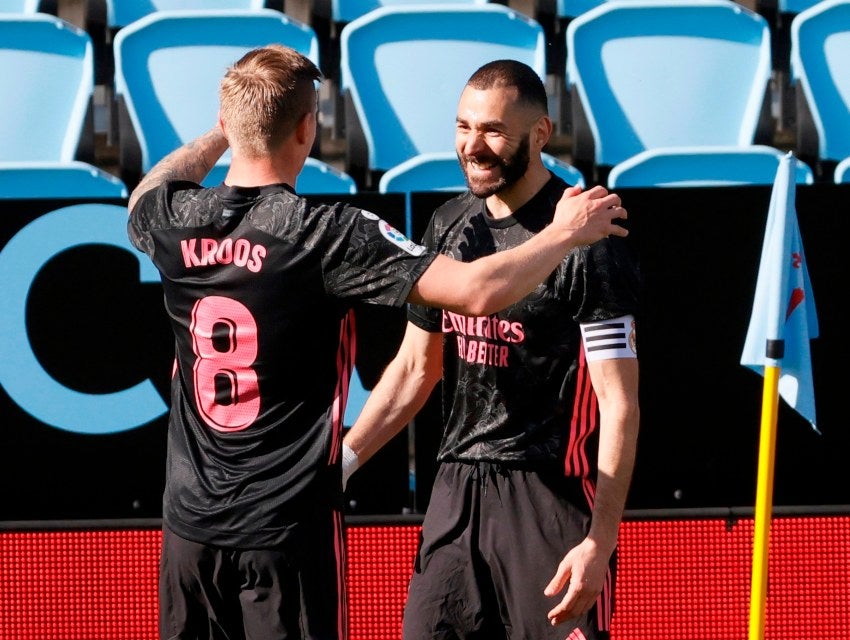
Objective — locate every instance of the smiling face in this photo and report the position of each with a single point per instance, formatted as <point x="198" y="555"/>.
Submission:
<point x="495" y="137"/>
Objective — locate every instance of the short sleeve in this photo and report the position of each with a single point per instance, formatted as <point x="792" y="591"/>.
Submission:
<point x="369" y="260"/>
<point x="606" y="281"/>
<point x="154" y="210"/>
<point x="139" y="222"/>
<point x="426" y="318"/>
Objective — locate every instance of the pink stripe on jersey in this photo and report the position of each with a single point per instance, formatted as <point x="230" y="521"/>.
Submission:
<point x="584" y="422"/>
<point x="581" y="375"/>
<point x="344" y="367"/>
<point x="588" y="486"/>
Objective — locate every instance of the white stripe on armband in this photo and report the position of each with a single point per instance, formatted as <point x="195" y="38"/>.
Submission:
<point x="609" y="339"/>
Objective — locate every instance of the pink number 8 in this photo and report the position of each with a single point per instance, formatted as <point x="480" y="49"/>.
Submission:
<point x="224" y="337"/>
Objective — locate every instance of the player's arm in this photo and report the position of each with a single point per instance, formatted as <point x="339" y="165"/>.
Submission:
<point x="494" y="282"/>
<point x="584" y="568"/>
<point x="402" y="390"/>
<point x="193" y="161"/>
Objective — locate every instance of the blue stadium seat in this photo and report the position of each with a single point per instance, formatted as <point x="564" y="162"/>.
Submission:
<point x="318" y="177"/>
<point x="703" y="167"/>
<point x="564" y="170"/>
<point x="168" y="69"/>
<point x="795" y="6"/>
<point x="648" y="74"/>
<point x="30" y="6"/>
<point x="574" y="8"/>
<point x="440" y="171"/>
<point x="120" y="13"/>
<point x="64" y="180"/>
<point x="820" y="50"/>
<point x="47" y="62"/>
<point x="20" y="6"/>
<point x="328" y="17"/>
<point x="47" y="129"/>
<point x="104" y="18"/>
<point x="403" y="69"/>
<point x="344" y="11"/>
<point x="435" y="171"/>
<point x="841" y="175"/>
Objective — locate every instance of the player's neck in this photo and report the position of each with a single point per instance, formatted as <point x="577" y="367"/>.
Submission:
<point x="506" y="202"/>
<point x="258" y="172"/>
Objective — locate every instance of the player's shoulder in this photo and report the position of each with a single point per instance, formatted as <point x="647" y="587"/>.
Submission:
<point x="279" y="212"/>
<point x="170" y="204"/>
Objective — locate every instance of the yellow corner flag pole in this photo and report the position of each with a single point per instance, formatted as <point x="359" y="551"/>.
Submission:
<point x="764" y="501"/>
<point x="783" y="309"/>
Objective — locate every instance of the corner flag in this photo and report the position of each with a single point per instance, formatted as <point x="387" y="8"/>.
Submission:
<point x="784" y="318"/>
<point x="777" y="346"/>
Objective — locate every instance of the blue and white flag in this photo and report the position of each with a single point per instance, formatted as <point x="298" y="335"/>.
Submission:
<point x="784" y="319"/>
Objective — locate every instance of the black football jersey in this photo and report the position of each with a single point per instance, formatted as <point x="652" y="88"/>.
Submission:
<point x="516" y="388"/>
<point x="258" y="287"/>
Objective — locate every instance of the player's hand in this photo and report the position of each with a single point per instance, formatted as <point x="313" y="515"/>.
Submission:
<point x="582" y="572"/>
<point x="590" y="215"/>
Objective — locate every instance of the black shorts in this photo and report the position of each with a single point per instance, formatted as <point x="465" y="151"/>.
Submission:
<point x="295" y="591"/>
<point x="492" y="540"/>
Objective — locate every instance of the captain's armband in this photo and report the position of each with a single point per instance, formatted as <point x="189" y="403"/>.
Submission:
<point x="609" y="339"/>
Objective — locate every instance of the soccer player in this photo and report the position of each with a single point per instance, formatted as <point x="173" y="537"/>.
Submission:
<point x="540" y="400"/>
<point x="259" y="288"/>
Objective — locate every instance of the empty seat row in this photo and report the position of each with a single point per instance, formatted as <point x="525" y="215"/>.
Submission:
<point x="652" y="75"/>
<point x="689" y="80"/>
<point x="104" y="18"/>
<point x="404" y="68"/>
<point x="46" y="128"/>
<point x="46" y="133"/>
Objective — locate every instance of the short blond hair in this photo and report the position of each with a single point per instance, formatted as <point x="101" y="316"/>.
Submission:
<point x="264" y="95"/>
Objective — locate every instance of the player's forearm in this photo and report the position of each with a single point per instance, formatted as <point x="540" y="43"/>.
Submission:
<point x="390" y="407"/>
<point x="617" y="448"/>
<point x="506" y="277"/>
<point x="401" y="392"/>
<point x="494" y="282"/>
<point x="193" y="161"/>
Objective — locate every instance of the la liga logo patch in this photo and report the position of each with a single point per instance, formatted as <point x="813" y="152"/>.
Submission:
<point x="399" y="239"/>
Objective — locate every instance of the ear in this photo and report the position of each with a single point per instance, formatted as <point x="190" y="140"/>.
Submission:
<point x="542" y="131"/>
<point x="221" y="126"/>
<point x="304" y="127"/>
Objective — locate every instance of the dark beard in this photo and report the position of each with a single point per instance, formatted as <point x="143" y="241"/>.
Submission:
<point x="513" y="168"/>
